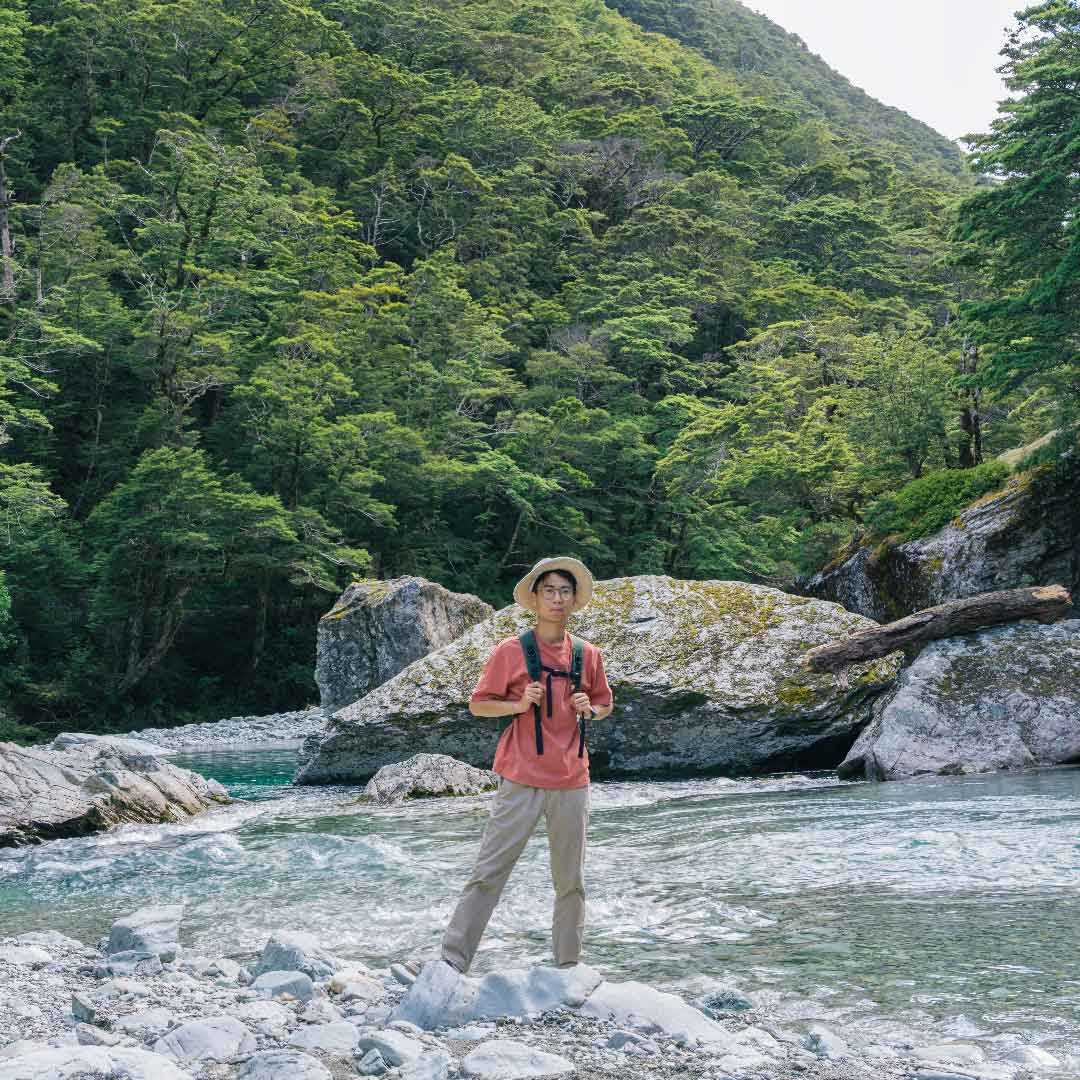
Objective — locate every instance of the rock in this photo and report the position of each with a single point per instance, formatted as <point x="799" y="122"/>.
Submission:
<point x="218" y="1038"/>
<point x="401" y="973"/>
<point x="394" y="1047"/>
<point x="821" y="1041"/>
<point x="505" y="1059"/>
<point x="371" y="1064"/>
<point x="24" y="955"/>
<point x="295" y="950"/>
<point x="52" y="939"/>
<point x="1026" y="534"/>
<point x="320" y="1011"/>
<point x="442" y="997"/>
<point x="146" y="1024"/>
<point x="706" y="678"/>
<point x="641" y="1008"/>
<point x="22" y="1047"/>
<point x="433" y="1065"/>
<point x="81" y="1062"/>
<point x="1003" y="698"/>
<point x="949" y="1053"/>
<point x="1033" y="1057"/>
<point x="724" y="999"/>
<point x="361" y="988"/>
<point x="81" y="740"/>
<point x="266" y="1017"/>
<point x="225" y="970"/>
<point x="337" y="1037"/>
<point x="286" y="984"/>
<point x="88" y="1035"/>
<point x="284" y="729"/>
<point x="130" y="962"/>
<point x="82" y="1008"/>
<point x="376" y="628"/>
<point x="425" y="775"/>
<point x="283" y="1065"/>
<point x="46" y="794"/>
<point x="153" y="929"/>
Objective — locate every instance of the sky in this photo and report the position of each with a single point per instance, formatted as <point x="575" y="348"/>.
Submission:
<point x="934" y="59"/>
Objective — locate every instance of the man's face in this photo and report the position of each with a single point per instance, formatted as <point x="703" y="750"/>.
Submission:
<point x="555" y="596"/>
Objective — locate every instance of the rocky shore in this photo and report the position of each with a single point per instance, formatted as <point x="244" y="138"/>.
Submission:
<point x="274" y="729"/>
<point x="139" y="1006"/>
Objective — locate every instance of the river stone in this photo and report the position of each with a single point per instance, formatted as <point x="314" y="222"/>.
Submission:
<point x="442" y="997"/>
<point x="296" y="950"/>
<point x="337" y="1037"/>
<point x="376" y="628"/>
<point x="266" y="1017"/>
<point x="216" y="1038"/>
<point x="505" y="1059"/>
<point x="151" y="929"/>
<point x="706" y="677"/>
<point x="433" y="1065"/>
<point x="395" y="1047"/>
<point x="283" y="1065"/>
<point x="46" y="794"/>
<point x="147" y="1024"/>
<point x="426" y="775"/>
<point x="1026" y="534"/>
<point x="82" y="1062"/>
<point x="24" y="955"/>
<point x="1003" y="698"/>
<point x="295" y="984"/>
<point x="82" y="740"/>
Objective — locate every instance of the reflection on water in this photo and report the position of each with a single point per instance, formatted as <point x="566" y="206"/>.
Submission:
<point x="944" y="907"/>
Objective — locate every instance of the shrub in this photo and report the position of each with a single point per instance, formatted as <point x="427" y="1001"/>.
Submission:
<point x="929" y="503"/>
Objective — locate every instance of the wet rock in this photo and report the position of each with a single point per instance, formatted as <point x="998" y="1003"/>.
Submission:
<point x="146" y="1024"/>
<point x="337" y="1037"/>
<point x="706" y="677"/>
<point x="295" y="950"/>
<point x="294" y="985"/>
<point x="46" y="794"/>
<point x="376" y="628"/>
<point x="78" y="1062"/>
<point x="150" y="930"/>
<point x="1003" y="698"/>
<point x="395" y="1047"/>
<point x="427" y="775"/>
<point x="821" y="1041"/>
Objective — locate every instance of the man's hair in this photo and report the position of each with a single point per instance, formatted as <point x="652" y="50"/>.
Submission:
<point x="565" y="573"/>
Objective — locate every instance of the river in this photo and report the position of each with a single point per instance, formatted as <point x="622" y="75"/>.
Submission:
<point x="939" y="908"/>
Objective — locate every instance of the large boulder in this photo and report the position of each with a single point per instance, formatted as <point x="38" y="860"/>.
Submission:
<point x="1026" y="534"/>
<point x="1002" y="698"/>
<point x="376" y="628"/>
<point x="706" y="677"/>
<point x="45" y="794"/>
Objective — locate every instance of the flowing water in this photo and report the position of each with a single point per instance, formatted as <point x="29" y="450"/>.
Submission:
<point x="935" y="909"/>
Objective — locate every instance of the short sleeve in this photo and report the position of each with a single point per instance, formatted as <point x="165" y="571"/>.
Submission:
<point x="494" y="681"/>
<point x="599" y="691"/>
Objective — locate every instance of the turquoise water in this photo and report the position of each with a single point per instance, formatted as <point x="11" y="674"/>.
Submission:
<point x="934" y="909"/>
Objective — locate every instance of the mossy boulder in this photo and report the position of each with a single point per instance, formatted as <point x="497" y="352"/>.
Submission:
<point x="706" y="677"/>
<point x="1003" y="698"/>
<point x="376" y="628"/>
<point x="1028" y="533"/>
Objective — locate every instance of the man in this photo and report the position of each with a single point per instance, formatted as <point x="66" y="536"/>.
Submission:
<point x="539" y="765"/>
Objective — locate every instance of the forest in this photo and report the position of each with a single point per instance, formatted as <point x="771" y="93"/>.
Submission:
<point x="299" y="291"/>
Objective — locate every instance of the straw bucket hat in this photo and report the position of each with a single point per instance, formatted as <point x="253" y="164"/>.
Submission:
<point x="524" y="595"/>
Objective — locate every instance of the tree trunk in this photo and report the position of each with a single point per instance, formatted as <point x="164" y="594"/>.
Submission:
<point x="261" y="609"/>
<point x="7" y="250"/>
<point x="1047" y="603"/>
<point x="170" y="626"/>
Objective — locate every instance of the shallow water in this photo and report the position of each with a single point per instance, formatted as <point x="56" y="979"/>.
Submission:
<point x="934" y="909"/>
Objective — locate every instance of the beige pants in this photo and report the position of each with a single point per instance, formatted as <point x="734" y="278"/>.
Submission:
<point x="514" y="814"/>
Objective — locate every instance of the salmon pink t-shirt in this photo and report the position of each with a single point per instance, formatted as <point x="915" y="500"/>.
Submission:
<point x="505" y="678"/>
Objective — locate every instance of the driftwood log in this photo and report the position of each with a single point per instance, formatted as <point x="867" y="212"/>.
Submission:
<point x="1047" y="603"/>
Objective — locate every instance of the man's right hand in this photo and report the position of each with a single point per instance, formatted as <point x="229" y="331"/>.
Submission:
<point x="533" y="695"/>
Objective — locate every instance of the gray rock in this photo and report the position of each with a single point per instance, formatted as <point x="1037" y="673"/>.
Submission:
<point x="130" y="962"/>
<point x="723" y="999"/>
<point x="706" y="677"/>
<point x="433" y="1065"/>
<point x="376" y="628"/>
<point x="151" y="929"/>
<point x="505" y="1059"/>
<point x="82" y="1008"/>
<point x="46" y="794"/>
<point x="24" y="955"/>
<point x="293" y="984"/>
<point x="821" y="1041"/>
<point x="337" y="1037"/>
<point x="82" y="740"/>
<point x="284" y="729"/>
<point x="147" y="1023"/>
<point x="371" y="1063"/>
<point x="427" y="775"/>
<point x="395" y="1047"/>
<point x="80" y="1062"/>
<point x="217" y="1038"/>
<point x="1027" y="534"/>
<point x="283" y="1065"/>
<point x="1003" y="698"/>
<point x="265" y="1017"/>
<point x="295" y="950"/>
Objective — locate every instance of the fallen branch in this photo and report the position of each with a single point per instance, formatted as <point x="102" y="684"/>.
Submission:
<point x="1047" y="603"/>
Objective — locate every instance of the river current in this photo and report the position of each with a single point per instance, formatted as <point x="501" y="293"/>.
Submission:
<point x="935" y="909"/>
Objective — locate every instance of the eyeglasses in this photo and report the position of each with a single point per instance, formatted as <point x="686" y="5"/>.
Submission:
<point x="551" y="591"/>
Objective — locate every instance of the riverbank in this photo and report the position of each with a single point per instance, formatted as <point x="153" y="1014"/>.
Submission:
<point x="275" y="730"/>
<point x="217" y="1017"/>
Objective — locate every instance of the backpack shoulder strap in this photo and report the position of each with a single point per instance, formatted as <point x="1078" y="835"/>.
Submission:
<point x="532" y="653"/>
<point x="577" y="662"/>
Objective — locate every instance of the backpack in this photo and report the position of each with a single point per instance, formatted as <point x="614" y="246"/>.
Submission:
<point x="535" y="667"/>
